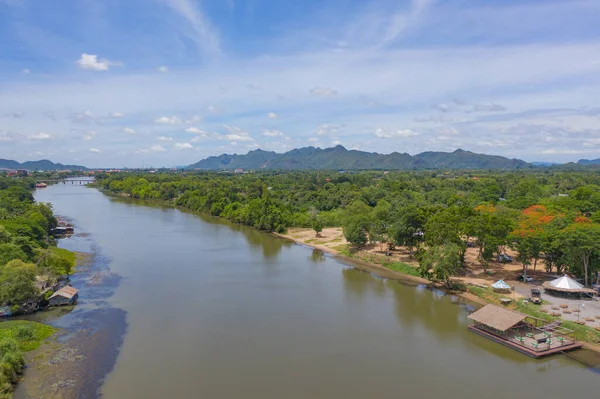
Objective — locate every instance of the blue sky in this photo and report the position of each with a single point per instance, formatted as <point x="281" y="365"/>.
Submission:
<point x="168" y="82"/>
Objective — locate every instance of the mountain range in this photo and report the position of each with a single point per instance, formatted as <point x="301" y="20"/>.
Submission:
<point x="339" y="158"/>
<point x="43" y="164"/>
<point x="589" y="161"/>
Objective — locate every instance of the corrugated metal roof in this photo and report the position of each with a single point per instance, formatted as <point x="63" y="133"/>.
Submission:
<point x="496" y="317"/>
<point x="66" y="292"/>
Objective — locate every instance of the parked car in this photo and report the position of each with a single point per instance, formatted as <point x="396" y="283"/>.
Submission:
<point x="525" y="279"/>
<point x="504" y="258"/>
<point x="536" y="296"/>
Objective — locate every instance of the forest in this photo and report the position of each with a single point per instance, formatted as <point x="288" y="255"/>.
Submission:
<point x="548" y="217"/>
<point x="31" y="267"/>
<point x="30" y="262"/>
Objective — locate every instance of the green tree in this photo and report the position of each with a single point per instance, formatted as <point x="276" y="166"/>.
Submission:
<point x="317" y="226"/>
<point x="440" y="262"/>
<point x="5" y="236"/>
<point x="582" y="240"/>
<point x="355" y="230"/>
<point x="407" y="228"/>
<point x="9" y="252"/>
<point x="17" y="282"/>
<point x="491" y="228"/>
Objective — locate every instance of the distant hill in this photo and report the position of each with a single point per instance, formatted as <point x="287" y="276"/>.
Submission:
<point x="43" y="164"/>
<point x="545" y="164"/>
<point x="339" y="158"/>
<point x="589" y="161"/>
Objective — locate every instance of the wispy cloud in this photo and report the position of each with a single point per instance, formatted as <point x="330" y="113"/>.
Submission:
<point x="168" y="120"/>
<point x="201" y="30"/>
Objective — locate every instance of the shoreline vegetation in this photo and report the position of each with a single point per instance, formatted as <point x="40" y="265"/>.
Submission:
<point x="32" y="268"/>
<point x="448" y="229"/>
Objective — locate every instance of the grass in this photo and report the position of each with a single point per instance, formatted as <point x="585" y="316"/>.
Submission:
<point x="582" y="332"/>
<point x="402" y="268"/>
<point x="16" y="337"/>
<point x="399" y="267"/>
<point x="28" y="334"/>
<point x="487" y="294"/>
<point x="68" y="255"/>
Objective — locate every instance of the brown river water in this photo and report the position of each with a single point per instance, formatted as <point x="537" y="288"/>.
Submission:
<point x="176" y="305"/>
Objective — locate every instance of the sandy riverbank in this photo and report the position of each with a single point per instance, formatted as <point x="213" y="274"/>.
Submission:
<point x="331" y="240"/>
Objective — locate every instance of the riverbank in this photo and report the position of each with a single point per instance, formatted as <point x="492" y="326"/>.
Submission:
<point x="332" y="241"/>
<point x="17" y="338"/>
<point x="337" y="246"/>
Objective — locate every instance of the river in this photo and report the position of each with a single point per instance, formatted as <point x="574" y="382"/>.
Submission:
<point x="193" y="307"/>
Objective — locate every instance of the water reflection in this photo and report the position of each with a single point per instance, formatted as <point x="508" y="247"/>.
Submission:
<point x="317" y="256"/>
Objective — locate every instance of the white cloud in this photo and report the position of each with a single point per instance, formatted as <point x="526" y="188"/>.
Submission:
<point x="94" y="150"/>
<point x="313" y="140"/>
<point x="164" y="138"/>
<point x="129" y="130"/>
<point x="272" y="115"/>
<point x="92" y="63"/>
<point x="202" y="32"/>
<point x="236" y="134"/>
<point x="17" y="114"/>
<point x="168" y="120"/>
<point x="194" y="119"/>
<point x="556" y="151"/>
<point x="442" y="107"/>
<point x="322" y="91"/>
<point x="238" y="137"/>
<point x="116" y="115"/>
<point x="212" y="109"/>
<point x="157" y="148"/>
<point x="85" y="117"/>
<point x="154" y="148"/>
<point x="89" y="135"/>
<point x="163" y="69"/>
<point x="26" y="71"/>
<point x="404" y="133"/>
<point x="8" y="136"/>
<point x="195" y="130"/>
<point x="327" y="129"/>
<point x="183" y="146"/>
<point x="273" y="133"/>
<point x="41" y="136"/>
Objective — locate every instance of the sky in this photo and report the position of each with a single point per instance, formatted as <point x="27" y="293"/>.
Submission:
<point x="139" y="83"/>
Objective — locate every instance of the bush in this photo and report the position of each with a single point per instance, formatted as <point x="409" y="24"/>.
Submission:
<point x="24" y="333"/>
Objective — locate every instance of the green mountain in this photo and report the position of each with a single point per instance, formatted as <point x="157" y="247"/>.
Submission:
<point x="589" y="161"/>
<point x="43" y="164"/>
<point x="253" y="160"/>
<point x="461" y="159"/>
<point x="339" y="158"/>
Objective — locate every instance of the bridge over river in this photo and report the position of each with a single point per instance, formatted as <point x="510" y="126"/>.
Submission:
<point x="68" y="180"/>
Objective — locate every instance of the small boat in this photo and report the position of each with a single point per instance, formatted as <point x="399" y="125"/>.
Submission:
<point x="41" y="185"/>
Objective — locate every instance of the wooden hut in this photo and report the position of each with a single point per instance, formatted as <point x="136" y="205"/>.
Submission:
<point x="528" y="335"/>
<point x="65" y="296"/>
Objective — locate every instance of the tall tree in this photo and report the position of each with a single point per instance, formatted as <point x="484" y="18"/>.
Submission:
<point x="440" y="262"/>
<point x="17" y="282"/>
<point x="582" y="240"/>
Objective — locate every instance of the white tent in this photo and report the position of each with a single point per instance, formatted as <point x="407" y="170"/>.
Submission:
<point x="566" y="286"/>
<point x="501" y="286"/>
<point x="565" y="283"/>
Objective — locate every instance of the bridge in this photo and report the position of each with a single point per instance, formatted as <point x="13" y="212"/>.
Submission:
<point x="68" y="180"/>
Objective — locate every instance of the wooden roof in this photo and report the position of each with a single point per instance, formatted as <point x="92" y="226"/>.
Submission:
<point x="66" y="292"/>
<point x="496" y="317"/>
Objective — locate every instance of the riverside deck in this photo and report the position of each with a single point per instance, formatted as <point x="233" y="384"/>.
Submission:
<point x="528" y="335"/>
